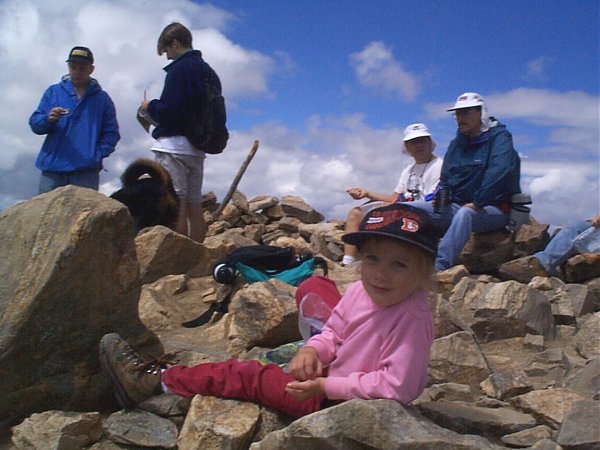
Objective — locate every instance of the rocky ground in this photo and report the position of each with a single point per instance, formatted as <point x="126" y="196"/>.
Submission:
<point x="513" y="365"/>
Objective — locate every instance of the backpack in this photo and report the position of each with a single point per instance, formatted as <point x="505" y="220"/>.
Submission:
<point x="207" y="130"/>
<point x="263" y="262"/>
<point x="259" y="263"/>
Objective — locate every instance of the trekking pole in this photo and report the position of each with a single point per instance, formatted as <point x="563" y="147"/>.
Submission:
<point x="236" y="181"/>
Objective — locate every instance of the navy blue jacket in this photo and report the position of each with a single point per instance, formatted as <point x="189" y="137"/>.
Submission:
<point x="182" y="94"/>
<point x="80" y="139"/>
<point x="484" y="171"/>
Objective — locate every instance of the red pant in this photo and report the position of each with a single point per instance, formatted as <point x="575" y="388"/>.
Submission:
<point x="241" y="380"/>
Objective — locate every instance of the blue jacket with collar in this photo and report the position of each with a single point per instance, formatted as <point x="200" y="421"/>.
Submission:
<point x="182" y="94"/>
<point x="81" y="139"/>
<point x="484" y="171"/>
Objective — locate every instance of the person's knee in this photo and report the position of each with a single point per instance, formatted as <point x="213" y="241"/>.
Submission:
<point x="464" y="215"/>
<point x="355" y="215"/>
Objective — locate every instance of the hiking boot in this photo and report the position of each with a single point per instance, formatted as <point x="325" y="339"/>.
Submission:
<point x="523" y="269"/>
<point x="133" y="379"/>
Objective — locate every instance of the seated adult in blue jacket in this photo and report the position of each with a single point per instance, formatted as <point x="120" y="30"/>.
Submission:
<point x="481" y="172"/>
<point x="80" y="124"/>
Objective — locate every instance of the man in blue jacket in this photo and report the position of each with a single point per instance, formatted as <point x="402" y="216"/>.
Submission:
<point x="80" y="124"/>
<point x="480" y="173"/>
<point x="180" y="101"/>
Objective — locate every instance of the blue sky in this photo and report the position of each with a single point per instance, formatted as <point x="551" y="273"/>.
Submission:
<point x="327" y="87"/>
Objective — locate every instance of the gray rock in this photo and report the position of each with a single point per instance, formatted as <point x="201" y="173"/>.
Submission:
<point x="72" y="277"/>
<point x="373" y="424"/>
<point x="457" y="358"/>
<point x="586" y="381"/>
<point x="529" y="436"/>
<point x="586" y="339"/>
<point x="140" y="428"/>
<point x="549" y="406"/>
<point x="264" y="314"/>
<point x="579" y="428"/>
<point x="506" y="384"/>
<point x="214" y="424"/>
<point x="296" y="207"/>
<point x="465" y="418"/>
<point x="57" y="430"/>
<point x="161" y="251"/>
<point x="262" y="202"/>
<point x="580" y="268"/>
<point x="485" y="252"/>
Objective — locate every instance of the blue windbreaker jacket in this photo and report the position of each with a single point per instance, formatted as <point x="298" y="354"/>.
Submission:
<point x="80" y="139"/>
<point x="182" y="94"/>
<point x="485" y="171"/>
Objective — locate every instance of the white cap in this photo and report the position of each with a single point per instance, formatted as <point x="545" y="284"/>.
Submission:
<point x="468" y="100"/>
<point x="415" y="130"/>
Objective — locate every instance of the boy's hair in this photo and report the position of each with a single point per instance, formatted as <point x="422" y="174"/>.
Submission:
<point x="171" y="32"/>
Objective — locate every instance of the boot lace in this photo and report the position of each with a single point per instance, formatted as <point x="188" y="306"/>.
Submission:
<point x="154" y="363"/>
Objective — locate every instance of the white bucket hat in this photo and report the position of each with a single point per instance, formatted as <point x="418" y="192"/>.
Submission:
<point x="416" y="130"/>
<point x="470" y="100"/>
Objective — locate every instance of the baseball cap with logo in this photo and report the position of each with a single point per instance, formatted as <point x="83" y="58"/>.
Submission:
<point x="468" y="100"/>
<point x="398" y="221"/>
<point x="81" y="54"/>
<point x="415" y="130"/>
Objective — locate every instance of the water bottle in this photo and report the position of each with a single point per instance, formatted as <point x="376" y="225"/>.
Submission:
<point x="442" y="199"/>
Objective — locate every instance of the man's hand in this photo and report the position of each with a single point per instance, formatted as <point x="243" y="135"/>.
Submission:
<point x="472" y="206"/>
<point x="56" y="113"/>
<point x="303" y="390"/>
<point x="144" y="105"/>
<point x="357" y="193"/>
<point x="596" y="221"/>
<point x="306" y="365"/>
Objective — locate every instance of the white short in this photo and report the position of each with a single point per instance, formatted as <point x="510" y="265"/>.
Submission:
<point x="187" y="173"/>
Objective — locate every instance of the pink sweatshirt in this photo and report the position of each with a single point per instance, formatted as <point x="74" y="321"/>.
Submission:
<point x="376" y="351"/>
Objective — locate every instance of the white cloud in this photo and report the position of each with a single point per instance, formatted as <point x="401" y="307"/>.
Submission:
<point x="536" y="69"/>
<point x="557" y="190"/>
<point x="37" y="36"/>
<point x="376" y="68"/>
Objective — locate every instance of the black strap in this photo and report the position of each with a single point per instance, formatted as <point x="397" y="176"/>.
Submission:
<point x="218" y="307"/>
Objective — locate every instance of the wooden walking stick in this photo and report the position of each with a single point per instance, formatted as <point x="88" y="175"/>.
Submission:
<point x="236" y="181"/>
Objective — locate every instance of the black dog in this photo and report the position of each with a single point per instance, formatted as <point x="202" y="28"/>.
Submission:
<point x="149" y="195"/>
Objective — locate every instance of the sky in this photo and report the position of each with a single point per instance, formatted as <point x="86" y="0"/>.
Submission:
<point x="327" y="88"/>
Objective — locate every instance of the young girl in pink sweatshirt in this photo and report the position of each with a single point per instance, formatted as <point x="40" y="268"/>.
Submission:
<point x="375" y="344"/>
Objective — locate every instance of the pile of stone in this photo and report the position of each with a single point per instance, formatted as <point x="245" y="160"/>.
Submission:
<point x="513" y="365"/>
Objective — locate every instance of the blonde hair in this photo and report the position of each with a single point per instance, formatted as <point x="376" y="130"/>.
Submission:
<point x="424" y="262"/>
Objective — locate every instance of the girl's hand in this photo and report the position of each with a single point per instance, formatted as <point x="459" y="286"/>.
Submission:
<point x="304" y="390"/>
<point x="306" y="365"/>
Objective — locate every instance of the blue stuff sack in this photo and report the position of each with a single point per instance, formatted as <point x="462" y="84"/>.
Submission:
<point x="293" y="276"/>
<point x="263" y="262"/>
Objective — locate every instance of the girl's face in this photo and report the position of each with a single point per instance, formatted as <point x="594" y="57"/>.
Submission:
<point x="391" y="270"/>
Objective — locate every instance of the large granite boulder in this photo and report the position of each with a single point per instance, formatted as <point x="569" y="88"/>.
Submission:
<point x="71" y="277"/>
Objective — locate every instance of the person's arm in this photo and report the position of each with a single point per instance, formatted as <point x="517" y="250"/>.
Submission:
<point x="360" y="193"/>
<point x="109" y="132"/>
<point x="502" y="170"/>
<point x="596" y="221"/>
<point x="43" y="119"/>
<point x="170" y="109"/>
